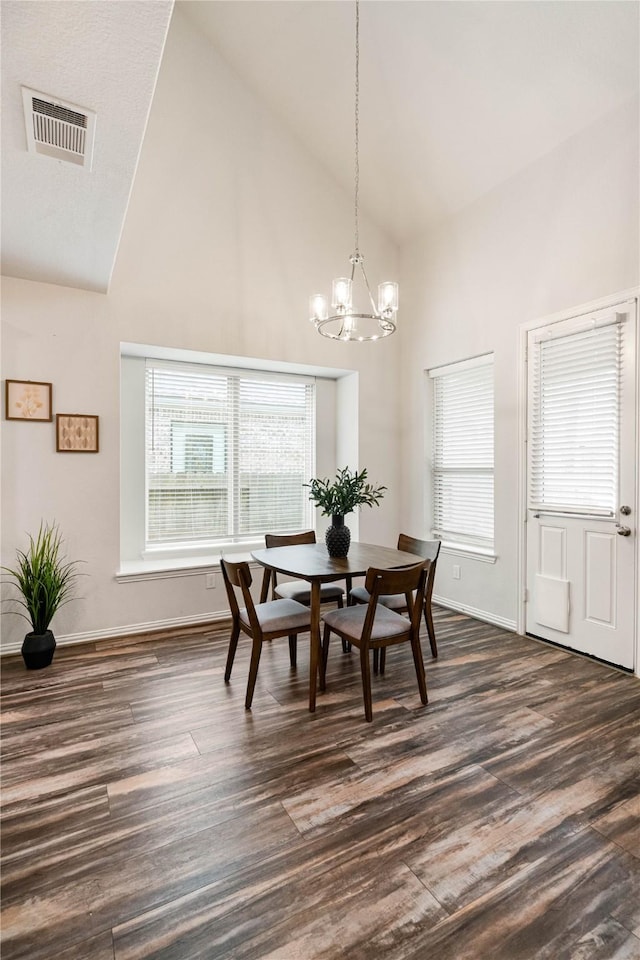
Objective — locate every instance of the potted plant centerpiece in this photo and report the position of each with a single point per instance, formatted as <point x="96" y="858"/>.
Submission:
<point x="338" y="497"/>
<point x="45" y="580"/>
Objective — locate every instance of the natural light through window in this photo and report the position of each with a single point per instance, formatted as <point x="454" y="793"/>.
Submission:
<point x="227" y="453"/>
<point x="463" y="464"/>
<point x="574" y="414"/>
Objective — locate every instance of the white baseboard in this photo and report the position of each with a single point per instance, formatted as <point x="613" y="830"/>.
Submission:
<point x="111" y="633"/>
<point x="475" y="613"/>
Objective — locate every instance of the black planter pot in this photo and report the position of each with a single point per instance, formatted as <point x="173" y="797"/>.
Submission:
<point x="37" y="650"/>
<point x="337" y="537"/>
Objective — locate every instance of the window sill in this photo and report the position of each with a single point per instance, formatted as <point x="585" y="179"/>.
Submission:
<point x="468" y="551"/>
<point x="186" y="553"/>
<point x="132" y="571"/>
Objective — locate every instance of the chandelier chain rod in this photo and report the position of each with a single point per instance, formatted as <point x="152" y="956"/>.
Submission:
<point x="357" y="126"/>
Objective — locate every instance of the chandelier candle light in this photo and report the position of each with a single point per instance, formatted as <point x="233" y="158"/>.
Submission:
<point x="347" y="322"/>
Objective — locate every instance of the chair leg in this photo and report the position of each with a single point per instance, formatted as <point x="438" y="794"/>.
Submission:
<point x="293" y="650"/>
<point x="346" y="646"/>
<point x="233" y="646"/>
<point x="419" y="665"/>
<point x="428" y="619"/>
<point x="326" y="637"/>
<point x="349" y="587"/>
<point x="383" y="659"/>
<point x="376" y="660"/>
<point x="365" y="669"/>
<point x="256" y="650"/>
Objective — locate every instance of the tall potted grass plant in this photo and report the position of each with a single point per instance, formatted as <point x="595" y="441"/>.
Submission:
<point x="45" y="581"/>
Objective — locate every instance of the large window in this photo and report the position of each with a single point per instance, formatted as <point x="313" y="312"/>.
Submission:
<point x="462" y="471"/>
<point x="227" y="453"/>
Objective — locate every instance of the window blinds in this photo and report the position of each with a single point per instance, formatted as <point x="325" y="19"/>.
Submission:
<point x="574" y="419"/>
<point x="227" y="453"/>
<point x="463" y="452"/>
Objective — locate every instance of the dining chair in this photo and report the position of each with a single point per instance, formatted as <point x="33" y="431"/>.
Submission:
<point x="262" y="621"/>
<point x="428" y="550"/>
<point x="376" y="627"/>
<point x="299" y="590"/>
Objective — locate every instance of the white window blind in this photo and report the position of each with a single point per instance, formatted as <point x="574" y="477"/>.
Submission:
<point x="227" y="453"/>
<point x="574" y="415"/>
<point x="463" y="452"/>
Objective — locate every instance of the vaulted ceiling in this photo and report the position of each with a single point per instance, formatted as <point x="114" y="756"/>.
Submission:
<point x="455" y="98"/>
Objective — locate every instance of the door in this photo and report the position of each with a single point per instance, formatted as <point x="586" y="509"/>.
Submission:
<point x="582" y="457"/>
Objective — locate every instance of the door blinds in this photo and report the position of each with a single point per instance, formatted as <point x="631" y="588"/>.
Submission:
<point x="463" y="452"/>
<point x="574" y="421"/>
<point x="227" y="453"/>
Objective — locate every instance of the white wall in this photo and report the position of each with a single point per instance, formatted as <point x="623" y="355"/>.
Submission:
<point x="230" y="228"/>
<point x="561" y="233"/>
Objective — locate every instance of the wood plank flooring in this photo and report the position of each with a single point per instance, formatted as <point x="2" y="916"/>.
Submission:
<point x="145" y="814"/>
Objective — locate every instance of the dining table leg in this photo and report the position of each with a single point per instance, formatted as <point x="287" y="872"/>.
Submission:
<point x="315" y="658"/>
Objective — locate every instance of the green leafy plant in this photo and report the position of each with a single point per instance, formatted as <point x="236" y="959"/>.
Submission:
<point x="45" y="579"/>
<point x="346" y="492"/>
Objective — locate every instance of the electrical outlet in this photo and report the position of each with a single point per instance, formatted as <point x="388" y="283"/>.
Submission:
<point x="456" y="571"/>
<point x="209" y="580"/>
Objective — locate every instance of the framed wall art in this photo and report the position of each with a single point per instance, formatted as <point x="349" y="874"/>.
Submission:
<point x="76" y="433"/>
<point x="28" y="400"/>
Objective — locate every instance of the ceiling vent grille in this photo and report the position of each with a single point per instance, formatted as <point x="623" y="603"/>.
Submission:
<point x="57" y="129"/>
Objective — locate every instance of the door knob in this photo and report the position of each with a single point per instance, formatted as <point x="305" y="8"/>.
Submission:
<point x="623" y="531"/>
<point x="625" y="511"/>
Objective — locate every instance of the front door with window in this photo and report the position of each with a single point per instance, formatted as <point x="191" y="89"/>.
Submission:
<point x="582" y="457"/>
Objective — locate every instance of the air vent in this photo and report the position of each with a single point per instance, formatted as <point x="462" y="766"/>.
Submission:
<point x="62" y="131"/>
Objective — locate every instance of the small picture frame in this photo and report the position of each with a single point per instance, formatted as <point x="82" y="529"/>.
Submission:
<point x="77" y="433"/>
<point x="28" y="400"/>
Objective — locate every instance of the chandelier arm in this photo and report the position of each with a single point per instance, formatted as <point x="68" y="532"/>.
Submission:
<point x="366" y="283"/>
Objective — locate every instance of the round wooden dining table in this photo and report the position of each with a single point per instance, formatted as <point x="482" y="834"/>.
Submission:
<point x="311" y="562"/>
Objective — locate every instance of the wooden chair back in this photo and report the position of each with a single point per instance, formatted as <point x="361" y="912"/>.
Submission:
<point x="237" y="576"/>
<point x="407" y="581"/>
<point x="282" y="540"/>
<point x="429" y="549"/>
<point x="289" y="539"/>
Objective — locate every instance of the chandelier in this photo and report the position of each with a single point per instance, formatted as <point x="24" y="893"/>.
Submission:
<point x="348" y="321"/>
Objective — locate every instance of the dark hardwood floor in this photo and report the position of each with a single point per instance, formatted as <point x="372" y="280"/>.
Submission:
<point x="147" y="815"/>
